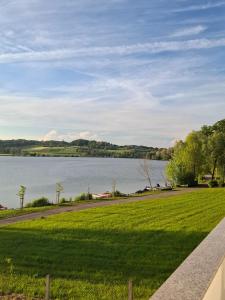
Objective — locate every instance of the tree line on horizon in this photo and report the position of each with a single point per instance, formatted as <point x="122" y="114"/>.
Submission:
<point x="201" y="155"/>
<point x="81" y="148"/>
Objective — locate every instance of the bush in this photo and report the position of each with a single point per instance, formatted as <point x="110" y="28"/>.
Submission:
<point x="221" y="184"/>
<point x="39" y="202"/>
<point x="83" y="196"/>
<point x="119" y="194"/>
<point x="187" y="178"/>
<point x="213" y="183"/>
<point x="63" y="200"/>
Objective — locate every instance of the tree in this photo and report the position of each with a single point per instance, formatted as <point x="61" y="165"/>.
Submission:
<point x="145" y="170"/>
<point x="203" y="152"/>
<point x="221" y="169"/>
<point x="217" y="143"/>
<point x="186" y="163"/>
<point x="113" y="188"/>
<point x="214" y="150"/>
<point x="88" y="195"/>
<point x="21" y="194"/>
<point x="193" y="154"/>
<point x="219" y="126"/>
<point x="176" y="168"/>
<point x="59" y="190"/>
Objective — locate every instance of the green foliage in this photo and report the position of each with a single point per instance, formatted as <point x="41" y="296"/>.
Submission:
<point x="203" y="152"/>
<point x="118" y="194"/>
<point x="39" y="202"/>
<point x="63" y="200"/>
<point x="188" y="178"/>
<point x="213" y="183"/>
<point x="92" y="254"/>
<point x="21" y="194"/>
<point x="83" y="196"/>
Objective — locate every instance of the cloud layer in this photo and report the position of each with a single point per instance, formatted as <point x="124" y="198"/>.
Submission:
<point x="128" y="72"/>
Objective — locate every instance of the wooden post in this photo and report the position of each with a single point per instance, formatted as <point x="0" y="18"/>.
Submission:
<point x="47" y="287"/>
<point x="130" y="290"/>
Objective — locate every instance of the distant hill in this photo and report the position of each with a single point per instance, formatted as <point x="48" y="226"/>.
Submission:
<point x="80" y="148"/>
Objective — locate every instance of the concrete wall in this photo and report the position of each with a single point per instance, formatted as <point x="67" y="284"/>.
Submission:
<point x="202" y="275"/>
<point x="216" y="290"/>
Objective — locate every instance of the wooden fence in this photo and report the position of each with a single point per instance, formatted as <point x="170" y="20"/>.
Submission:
<point x="48" y="288"/>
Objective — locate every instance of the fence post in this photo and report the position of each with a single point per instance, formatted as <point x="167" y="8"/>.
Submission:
<point x="130" y="290"/>
<point x="47" y="287"/>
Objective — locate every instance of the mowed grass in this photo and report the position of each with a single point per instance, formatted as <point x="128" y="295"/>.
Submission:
<point x="92" y="254"/>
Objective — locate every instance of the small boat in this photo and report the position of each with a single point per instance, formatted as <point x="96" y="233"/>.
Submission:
<point x="166" y="188"/>
<point x="3" y="207"/>
<point x="102" y="196"/>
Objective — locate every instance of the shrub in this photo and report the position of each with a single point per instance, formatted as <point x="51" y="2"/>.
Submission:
<point x="63" y="200"/>
<point x="80" y="197"/>
<point x="187" y="178"/>
<point x="39" y="202"/>
<point x="213" y="183"/>
<point x="83" y="196"/>
<point x="89" y="196"/>
<point x="221" y="184"/>
<point x="118" y="194"/>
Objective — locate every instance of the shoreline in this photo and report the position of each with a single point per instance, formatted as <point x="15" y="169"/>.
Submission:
<point x="72" y="156"/>
<point x="93" y="204"/>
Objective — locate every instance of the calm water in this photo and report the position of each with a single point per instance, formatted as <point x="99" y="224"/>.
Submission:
<point x="39" y="175"/>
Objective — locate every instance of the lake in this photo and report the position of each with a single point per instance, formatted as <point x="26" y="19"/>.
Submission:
<point x="40" y="174"/>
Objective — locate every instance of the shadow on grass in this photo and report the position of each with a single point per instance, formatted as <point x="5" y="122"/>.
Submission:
<point x="96" y="255"/>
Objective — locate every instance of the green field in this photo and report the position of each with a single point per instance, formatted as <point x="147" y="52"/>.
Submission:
<point x="92" y="254"/>
<point x="75" y="151"/>
<point x="52" y="151"/>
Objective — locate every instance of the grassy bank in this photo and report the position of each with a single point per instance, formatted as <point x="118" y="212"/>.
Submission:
<point x="92" y="254"/>
<point x="4" y="214"/>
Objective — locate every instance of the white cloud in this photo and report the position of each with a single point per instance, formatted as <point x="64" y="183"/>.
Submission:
<point x="133" y="119"/>
<point x="194" y="30"/>
<point x="208" y="5"/>
<point x="155" y="47"/>
<point x="75" y="73"/>
<point x="134" y="108"/>
<point x="69" y="136"/>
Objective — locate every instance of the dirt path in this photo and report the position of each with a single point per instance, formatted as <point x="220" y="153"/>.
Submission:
<point x="84" y="206"/>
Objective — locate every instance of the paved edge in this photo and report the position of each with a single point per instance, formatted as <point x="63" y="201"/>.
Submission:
<point x="55" y="211"/>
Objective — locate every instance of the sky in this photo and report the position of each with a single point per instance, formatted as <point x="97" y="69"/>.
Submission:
<point x="123" y="71"/>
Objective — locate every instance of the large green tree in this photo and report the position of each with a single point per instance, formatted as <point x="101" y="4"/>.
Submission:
<point x="202" y="152"/>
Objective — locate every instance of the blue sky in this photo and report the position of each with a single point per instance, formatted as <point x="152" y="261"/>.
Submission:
<point x="125" y="71"/>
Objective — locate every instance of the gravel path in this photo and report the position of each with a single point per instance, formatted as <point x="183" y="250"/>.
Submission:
<point x="84" y="206"/>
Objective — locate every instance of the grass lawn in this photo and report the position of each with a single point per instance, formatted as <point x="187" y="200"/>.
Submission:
<point x="92" y="254"/>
